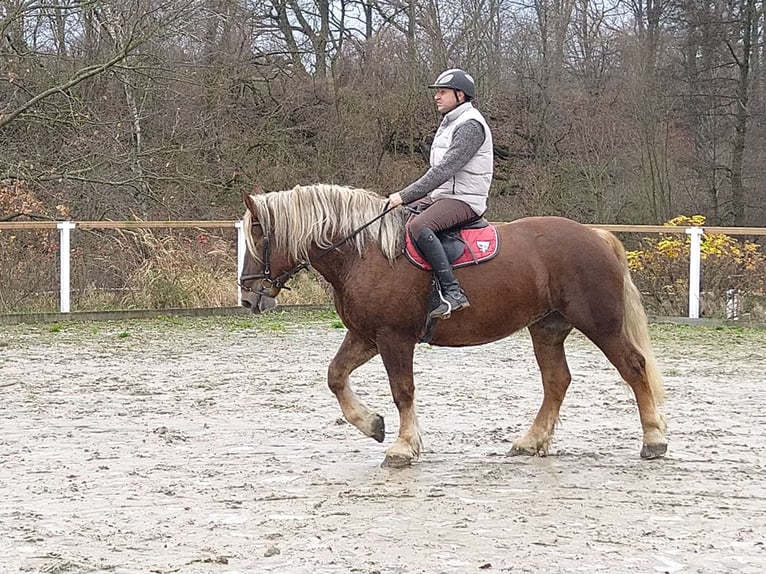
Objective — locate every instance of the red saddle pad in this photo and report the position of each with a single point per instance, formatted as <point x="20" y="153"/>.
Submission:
<point x="480" y="245"/>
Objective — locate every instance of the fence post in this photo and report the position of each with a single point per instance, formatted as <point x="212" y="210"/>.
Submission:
<point x="241" y="246"/>
<point x="732" y="304"/>
<point x="695" y="234"/>
<point x="65" y="229"/>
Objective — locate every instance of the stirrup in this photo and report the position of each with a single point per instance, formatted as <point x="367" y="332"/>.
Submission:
<point x="441" y="313"/>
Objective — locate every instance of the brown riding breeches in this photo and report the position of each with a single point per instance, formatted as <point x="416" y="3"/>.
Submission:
<point x="440" y="215"/>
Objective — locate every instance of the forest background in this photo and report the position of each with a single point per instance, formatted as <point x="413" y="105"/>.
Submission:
<point x="611" y="111"/>
<point x="608" y="111"/>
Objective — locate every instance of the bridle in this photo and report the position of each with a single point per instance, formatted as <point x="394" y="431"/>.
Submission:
<point x="280" y="282"/>
<point x="267" y="281"/>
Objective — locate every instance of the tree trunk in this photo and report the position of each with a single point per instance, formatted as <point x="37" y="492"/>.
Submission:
<point x="322" y="38"/>
<point x="737" y="211"/>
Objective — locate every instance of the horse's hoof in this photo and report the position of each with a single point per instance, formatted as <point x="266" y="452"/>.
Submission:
<point x="396" y="461"/>
<point x="656" y="450"/>
<point x="378" y="429"/>
<point x="520" y="451"/>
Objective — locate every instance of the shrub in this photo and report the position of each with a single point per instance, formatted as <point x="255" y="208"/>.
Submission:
<point x="307" y="288"/>
<point x="180" y="270"/>
<point x="660" y="268"/>
<point x="28" y="259"/>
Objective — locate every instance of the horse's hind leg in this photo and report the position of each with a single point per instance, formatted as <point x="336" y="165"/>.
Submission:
<point x="633" y="368"/>
<point x="353" y="353"/>
<point x="548" y="337"/>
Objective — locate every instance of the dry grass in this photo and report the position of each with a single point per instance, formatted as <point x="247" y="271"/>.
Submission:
<point x="307" y="288"/>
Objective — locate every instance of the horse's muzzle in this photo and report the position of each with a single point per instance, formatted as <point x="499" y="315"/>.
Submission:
<point x="257" y="302"/>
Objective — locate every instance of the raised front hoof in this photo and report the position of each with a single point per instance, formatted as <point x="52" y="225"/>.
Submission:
<point x="650" y="451"/>
<point x="378" y="428"/>
<point x="396" y="461"/>
<point x="524" y="451"/>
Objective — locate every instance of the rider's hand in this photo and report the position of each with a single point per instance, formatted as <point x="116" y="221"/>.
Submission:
<point x="395" y="199"/>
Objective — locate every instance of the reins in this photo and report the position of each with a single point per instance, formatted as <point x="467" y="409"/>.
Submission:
<point x="356" y="232"/>
<point x="280" y="282"/>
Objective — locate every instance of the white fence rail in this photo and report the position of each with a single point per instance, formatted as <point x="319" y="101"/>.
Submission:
<point x="67" y="227"/>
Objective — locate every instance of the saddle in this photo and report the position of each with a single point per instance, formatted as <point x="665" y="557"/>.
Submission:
<point x="468" y="244"/>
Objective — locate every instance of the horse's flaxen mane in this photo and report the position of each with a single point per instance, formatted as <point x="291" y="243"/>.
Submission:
<point x="322" y="214"/>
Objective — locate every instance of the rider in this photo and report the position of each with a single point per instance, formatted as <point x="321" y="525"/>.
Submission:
<point x="455" y="188"/>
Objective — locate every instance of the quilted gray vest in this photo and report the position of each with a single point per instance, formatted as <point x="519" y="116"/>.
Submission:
<point x="471" y="183"/>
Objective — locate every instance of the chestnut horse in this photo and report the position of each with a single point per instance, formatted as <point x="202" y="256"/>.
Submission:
<point x="551" y="275"/>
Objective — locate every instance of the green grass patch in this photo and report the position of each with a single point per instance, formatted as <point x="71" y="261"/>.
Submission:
<point x="239" y="324"/>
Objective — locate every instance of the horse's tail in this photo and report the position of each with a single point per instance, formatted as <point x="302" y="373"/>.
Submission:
<point x="635" y="326"/>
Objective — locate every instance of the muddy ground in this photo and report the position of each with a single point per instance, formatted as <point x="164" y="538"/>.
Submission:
<point x="213" y="445"/>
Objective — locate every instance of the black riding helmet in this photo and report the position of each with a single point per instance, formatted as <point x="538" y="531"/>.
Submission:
<point x="456" y="79"/>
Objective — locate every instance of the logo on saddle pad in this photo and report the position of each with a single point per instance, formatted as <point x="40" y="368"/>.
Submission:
<point x="468" y="246"/>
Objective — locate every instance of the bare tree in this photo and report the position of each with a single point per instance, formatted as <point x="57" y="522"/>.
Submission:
<point x="649" y="98"/>
<point x="719" y="48"/>
<point x="314" y="31"/>
<point x="742" y="57"/>
<point x="622" y="110"/>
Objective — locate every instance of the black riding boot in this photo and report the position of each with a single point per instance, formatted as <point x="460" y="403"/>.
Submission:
<point x="453" y="298"/>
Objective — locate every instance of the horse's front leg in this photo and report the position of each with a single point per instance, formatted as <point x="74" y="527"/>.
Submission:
<point x="354" y="352"/>
<point x="397" y="354"/>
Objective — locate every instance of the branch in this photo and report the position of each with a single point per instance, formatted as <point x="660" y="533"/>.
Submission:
<point x="17" y="214"/>
<point x="391" y="18"/>
<point x="84" y="74"/>
<point x="737" y="61"/>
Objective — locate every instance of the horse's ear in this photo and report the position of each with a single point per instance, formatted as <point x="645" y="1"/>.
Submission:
<point x="258" y="190"/>
<point x="249" y="203"/>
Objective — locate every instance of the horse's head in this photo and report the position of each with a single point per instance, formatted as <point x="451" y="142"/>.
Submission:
<point x="265" y="269"/>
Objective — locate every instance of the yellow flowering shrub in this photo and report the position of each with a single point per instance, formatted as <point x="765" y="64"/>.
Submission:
<point x="660" y="268"/>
